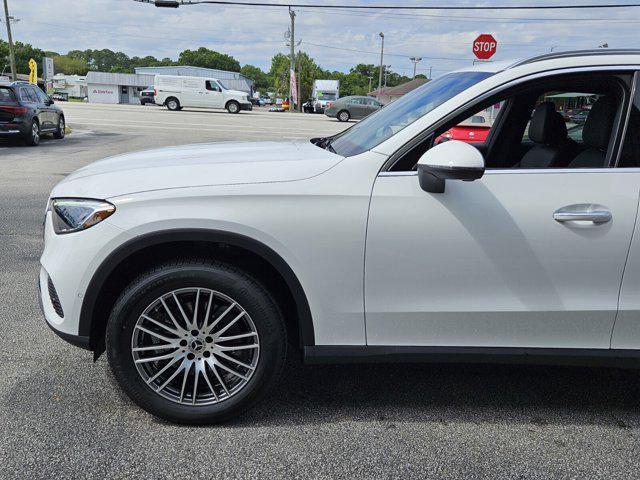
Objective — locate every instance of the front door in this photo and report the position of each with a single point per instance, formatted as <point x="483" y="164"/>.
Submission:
<point x="213" y="94"/>
<point x="502" y="261"/>
<point x="486" y="264"/>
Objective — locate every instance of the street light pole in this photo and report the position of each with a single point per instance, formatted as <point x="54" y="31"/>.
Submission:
<point x="415" y="61"/>
<point x="381" y="65"/>
<point x="370" y="77"/>
<point x="292" y="40"/>
<point x="12" y="58"/>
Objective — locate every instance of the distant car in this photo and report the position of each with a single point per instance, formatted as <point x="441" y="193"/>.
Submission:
<point x="353" y="107"/>
<point x="473" y="130"/>
<point x="579" y="116"/>
<point x="63" y="97"/>
<point x="146" y="96"/>
<point x="27" y="112"/>
<point x="308" y="106"/>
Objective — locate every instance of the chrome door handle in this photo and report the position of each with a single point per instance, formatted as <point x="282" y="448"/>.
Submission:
<point x="583" y="213"/>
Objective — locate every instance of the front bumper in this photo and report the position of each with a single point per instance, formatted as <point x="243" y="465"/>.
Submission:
<point x="246" y="106"/>
<point x="68" y="264"/>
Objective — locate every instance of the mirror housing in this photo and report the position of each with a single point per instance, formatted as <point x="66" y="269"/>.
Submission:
<point x="453" y="160"/>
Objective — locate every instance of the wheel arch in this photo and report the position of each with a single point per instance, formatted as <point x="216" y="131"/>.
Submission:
<point x="102" y="287"/>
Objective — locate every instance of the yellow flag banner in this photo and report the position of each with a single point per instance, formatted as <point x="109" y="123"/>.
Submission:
<point x="33" y="71"/>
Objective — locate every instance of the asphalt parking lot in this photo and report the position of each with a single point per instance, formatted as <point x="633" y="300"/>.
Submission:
<point x="62" y="417"/>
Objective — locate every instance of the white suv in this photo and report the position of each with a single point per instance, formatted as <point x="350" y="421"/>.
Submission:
<point x="200" y="268"/>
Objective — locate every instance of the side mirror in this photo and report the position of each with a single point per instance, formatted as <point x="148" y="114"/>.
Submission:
<point x="453" y="160"/>
<point x="49" y="101"/>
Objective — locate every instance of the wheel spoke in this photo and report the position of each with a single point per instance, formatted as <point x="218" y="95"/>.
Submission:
<point x="154" y="347"/>
<point x="233" y="372"/>
<point x="166" y="307"/>
<point x="184" y="315"/>
<point x="194" y="322"/>
<point x="220" y="317"/>
<point x="164" y="369"/>
<point x="206" y="378"/>
<point x="236" y="337"/>
<point x="154" y="334"/>
<point x="230" y="324"/>
<point x="230" y="358"/>
<point x="155" y="359"/>
<point x="184" y="381"/>
<point x="212" y="364"/>
<point x="238" y="347"/>
<point x="196" y="373"/>
<point x="173" y="375"/>
<point x="161" y="325"/>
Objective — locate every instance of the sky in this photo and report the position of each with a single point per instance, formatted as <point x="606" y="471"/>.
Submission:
<point x="336" y="39"/>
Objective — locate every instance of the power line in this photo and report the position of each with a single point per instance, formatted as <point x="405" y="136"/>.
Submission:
<point x="176" y="3"/>
<point x="457" y="59"/>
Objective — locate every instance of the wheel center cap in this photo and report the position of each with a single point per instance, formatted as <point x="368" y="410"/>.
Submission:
<point x="196" y="345"/>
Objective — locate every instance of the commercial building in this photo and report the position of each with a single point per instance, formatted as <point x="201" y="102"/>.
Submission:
<point x="231" y="80"/>
<point x="103" y="87"/>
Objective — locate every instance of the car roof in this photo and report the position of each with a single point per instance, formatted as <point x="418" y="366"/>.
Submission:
<point x="575" y="57"/>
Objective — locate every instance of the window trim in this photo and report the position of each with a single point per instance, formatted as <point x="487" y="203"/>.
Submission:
<point x="430" y="131"/>
<point x="634" y="96"/>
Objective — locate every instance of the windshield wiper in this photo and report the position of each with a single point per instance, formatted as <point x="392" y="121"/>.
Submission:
<point x="323" y="142"/>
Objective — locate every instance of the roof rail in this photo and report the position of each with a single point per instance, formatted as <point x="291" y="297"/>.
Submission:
<point x="577" y="53"/>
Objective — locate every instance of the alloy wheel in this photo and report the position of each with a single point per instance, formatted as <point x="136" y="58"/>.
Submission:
<point x="195" y="346"/>
<point x="35" y="133"/>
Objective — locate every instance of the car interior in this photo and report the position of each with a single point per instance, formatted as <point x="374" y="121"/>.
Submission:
<point x="529" y="131"/>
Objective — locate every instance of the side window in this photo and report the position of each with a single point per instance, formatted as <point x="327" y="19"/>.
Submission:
<point x="211" y="86"/>
<point x="474" y="129"/>
<point x="26" y="95"/>
<point x="42" y="97"/>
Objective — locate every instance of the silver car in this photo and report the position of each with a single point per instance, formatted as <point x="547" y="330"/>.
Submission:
<point x="353" y="107"/>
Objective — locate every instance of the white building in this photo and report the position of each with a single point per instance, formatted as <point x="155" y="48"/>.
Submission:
<point x="103" y="87"/>
<point x="71" y="85"/>
<point x="232" y="80"/>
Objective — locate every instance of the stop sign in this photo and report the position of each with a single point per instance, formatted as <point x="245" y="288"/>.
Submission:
<point x="484" y="46"/>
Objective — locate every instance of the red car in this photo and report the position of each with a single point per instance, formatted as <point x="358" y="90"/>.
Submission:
<point x="473" y="130"/>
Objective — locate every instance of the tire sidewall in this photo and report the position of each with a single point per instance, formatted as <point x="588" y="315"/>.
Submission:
<point x="233" y="107"/>
<point x="251" y="296"/>
<point x="31" y="141"/>
<point x="60" y="133"/>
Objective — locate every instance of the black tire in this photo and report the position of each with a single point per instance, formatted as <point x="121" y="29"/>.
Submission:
<point x="60" y="133"/>
<point x="226" y="279"/>
<point x="343" y="116"/>
<point x="233" y="107"/>
<point x="32" y="138"/>
<point x="173" y="104"/>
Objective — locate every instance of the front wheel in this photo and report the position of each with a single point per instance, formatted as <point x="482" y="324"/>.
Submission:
<point x="59" y="133"/>
<point x="33" y="136"/>
<point x="233" y="107"/>
<point x="344" y="116"/>
<point x="173" y="104"/>
<point x="195" y="341"/>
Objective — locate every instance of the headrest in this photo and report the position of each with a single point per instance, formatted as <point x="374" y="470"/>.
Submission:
<point x="547" y="125"/>
<point x="599" y="124"/>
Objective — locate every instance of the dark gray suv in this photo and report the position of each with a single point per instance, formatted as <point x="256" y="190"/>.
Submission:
<point x="28" y="112"/>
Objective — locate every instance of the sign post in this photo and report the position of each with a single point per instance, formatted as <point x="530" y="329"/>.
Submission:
<point x="47" y="73"/>
<point x="485" y="46"/>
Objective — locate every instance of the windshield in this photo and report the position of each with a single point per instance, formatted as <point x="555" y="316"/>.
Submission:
<point x="224" y="87"/>
<point x="389" y="120"/>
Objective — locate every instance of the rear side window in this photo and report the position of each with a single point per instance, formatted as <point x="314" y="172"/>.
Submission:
<point x="6" y="96"/>
<point x="27" y="95"/>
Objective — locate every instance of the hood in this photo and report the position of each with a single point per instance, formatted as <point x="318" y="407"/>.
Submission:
<point x="197" y="166"/>
<point x="236" y="92"/>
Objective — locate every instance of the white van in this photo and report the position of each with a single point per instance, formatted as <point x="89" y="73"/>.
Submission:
<point x="177" y="91"/>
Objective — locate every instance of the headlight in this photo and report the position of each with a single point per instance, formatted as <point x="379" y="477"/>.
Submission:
<point x="75" y="214"/>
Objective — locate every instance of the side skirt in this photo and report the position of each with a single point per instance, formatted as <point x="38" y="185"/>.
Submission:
<point x="339" y="354"/>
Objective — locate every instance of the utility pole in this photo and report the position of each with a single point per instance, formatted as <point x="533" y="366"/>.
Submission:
<point x="387" y="68"/>
<point x="12" y="58"/>
<point x="415" y="61"/>
<point x="430" y="68"/>
<point x="292" y="40"/>
<point x="381" y="65"/>
<point x="370" y="77"/>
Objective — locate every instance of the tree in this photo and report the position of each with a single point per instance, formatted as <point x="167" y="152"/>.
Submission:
<point x="260" y="78"/>
<point x="70" y="65"/>
<point x="203" y="57"/>
<point x="23" y="53"/>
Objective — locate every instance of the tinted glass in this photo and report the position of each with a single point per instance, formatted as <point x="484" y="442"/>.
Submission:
<point x="388" y="121"/>
<point x="6" y="96"/>
<point x="27" y="96"/>
<point x="42" y="97"/>
<point x="630" y="155"/>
